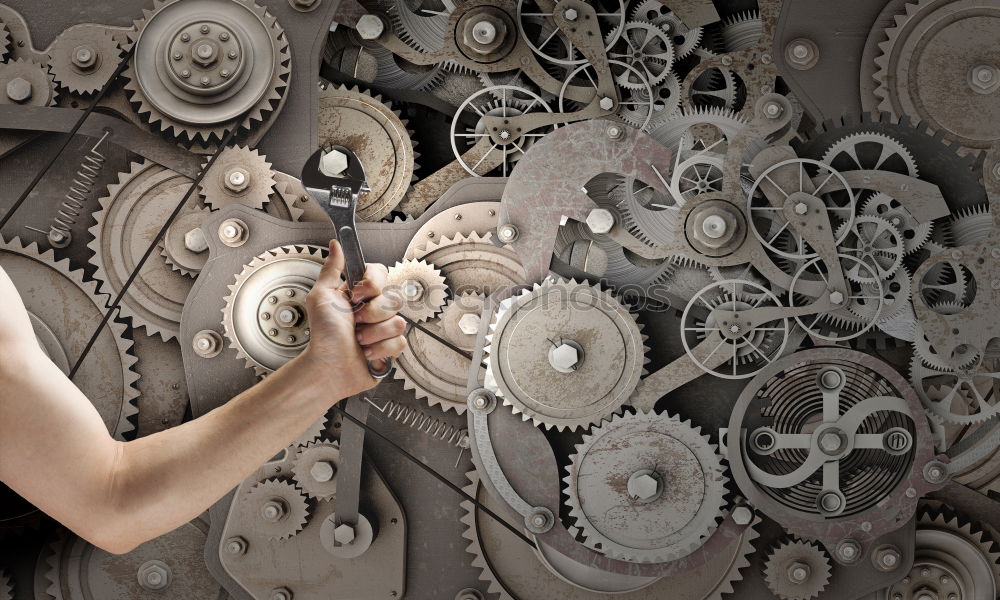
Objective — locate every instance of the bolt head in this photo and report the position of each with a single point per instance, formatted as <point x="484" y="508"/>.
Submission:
<point x="272" y="510"/>
<point x="83" y="57"/>
<point x="798" y="572"/>
<point x="984" y="78"/>
<point x="19" y="90"/>
<point x="564" y="358"/>
<point x="333" y="163"/>
<point x="154" y="575"/>
<point x="571" y="14"/>
<point x="606" y="103"/>
<point x="600" y="221"/>
<point x="236" y="180"/>
<point x="484" y="32"/>
<point x="507" y="233"/>
<point x="281" y="593"/>
<point x="412" y="290"/>
<point x="343" y="534"/>
<point x="236" y="545"/>
<point x="714" y="226"/>
<point x="643" y="487"/>
<point x="322" y="471"/>
<point x="830" y="441"/>
<point x="836" y="298"/>
<point x="742" y="515"/>
<point x="773" y="110"/>
<point x="370" y="27"/>
<point x="195" y="241"/>
<point x="832" y="502"/>
<point x="801" y="208"/>
<point x="469" y="323"/>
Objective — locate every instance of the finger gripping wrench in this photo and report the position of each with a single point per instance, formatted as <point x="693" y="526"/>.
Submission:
<point x="338" y="195"/>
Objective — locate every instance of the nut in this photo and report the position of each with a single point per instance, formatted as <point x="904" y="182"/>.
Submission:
<point x="207" y="343"/>
<point x="714" y="226"/>
<point x="205" y="53"/>
<point x="887" y="558"/>
<point x="984" y="78"/>
<point x="742" y="515"/>
<point x="233" y="232"/>
<point x="19" y="90"/>
<point x="195" y="240"/>
<point x="606" y="103"/>
<point x="281" y="593"/>
<point x="848" y="551"/>
<point x="507" y="233"/>
<point x="333" y="163"/>
<point x="236" y="546"/>
<point x="322" y="471"/>
<point x="343" y="534"/>
<point x="412" y="290"/>
<point x="469" y="323"/>
<point x="773" y="110"/>
<point x="83" y="57"/>
<point x="798" y="572"/>
<point x="564" y="357"/>
<point x="154" y="575"/>
<point x="836" y="297"/>
<point x="370" y="27"/>
<point x="236" y="180"/>
<point x="600" y="220"/>
<point x="570" y="14"/>
<point x="802" y="54"/>
<point x="273" y="510"/>
<point x="643" y="486"/>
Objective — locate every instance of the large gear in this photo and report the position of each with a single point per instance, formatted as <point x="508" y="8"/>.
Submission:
<point x="374" y="131"/>
<point x="264" y="317"/>
<point x="421" y="286"/>
<point x="797" y="570"/>
<point x="472" y="263"/>
<point x="645" y="487"/>
<point x="277" y="508"/>
<point x="27" y="83"/>
<point x="591" y="362"/>
<point x="64" y="308"/>
<point x="83" y="58"/>
<point x="240" y="175"/>
<point x="315" y="469"/>
<point x="685" y="39"/>
<point x="228" y="67"/>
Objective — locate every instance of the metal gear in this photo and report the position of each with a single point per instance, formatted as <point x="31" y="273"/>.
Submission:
<point x="473" y="263"/>
<point x="966" y="395"/>
<point x="652" y="106"/>
<point x="876" y="243"/>
<point x="182" y="246"/>
<point x="591" y="364"/>
<point x="126" y="224"/>
<point x="741" y="31"/>
<point x="645" y="487"/>
<point x="4" y="41"/>
<point x="83" y="58"/>
<point x="232" y="53"/>
<point x="63" y="316"/>
<point x="374" y="131"/>
<point x="645" y="213"/>
<point x="797" y="570"/>
<point x="915" y="233"/>
<point x="970" y="225"/>
<point x="264" y="317"/>
<point x="646" y="48"/>
<point x="421" y="286"/>
<point x="870" y="150"/>
<point x="277" y="508"/>
<point x="27" y="83"/>
<point x="315" y="469"/>
<point x="238" y="176"/>
<point x="685" y="39"/>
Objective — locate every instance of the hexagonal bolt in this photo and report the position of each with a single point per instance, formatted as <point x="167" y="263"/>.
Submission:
<point x="236" y="546"/>
<point x="195" y="241"/>
<point x="204" y="53"/>
<point x="370" y="27"/>
<point x="798" y="572"/>
<point x="887" y="558"/>
<point x="606" y="103"/>
<point x="643" y="486"/>
<point x="836" y="297"/>
<point x="281" y="593"/>
<point x="480" y="400"/>
<point x="539" y="520"/>
<point x="207" y="343"/>
<point x="773" y="110"/>
<point x="333" y="163"/>
<point x="233" y="232"/>
<point x="615" y="132"/>
<point x="984" y="78"/>
<point x="273" y="510"/>
<point x="848" y="551"/>
<point x="802" y="54"/>
<point x="236" y="180"/>
<point x="469" y="323"/>
<point x="571" y="14"/>
<point x="83" y="57"/>
<point x="322" y="471"/>
<point x="507" y="233"/>
<point x="714" y="226"/>
<point x="742" y="515"/>
<point x="484" y="32"/>
<point x="19" y="90"/>
<point x="344" y="534"/>
<point x="600" y="220"/>
<point x="154" y="575"/>
<point x="564" y="357"/>
<point x="801" y="208"/>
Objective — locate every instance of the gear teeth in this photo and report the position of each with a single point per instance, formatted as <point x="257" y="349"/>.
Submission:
<point x="778" y="563"/>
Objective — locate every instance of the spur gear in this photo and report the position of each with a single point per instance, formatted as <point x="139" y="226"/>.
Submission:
<point x="63" y="314"/>
<point x="238" y="176"/>
<point x="970" y="225"/>
<point x="797" y="570"/>
<point x="876" y="244"/>
<point x="264" y="317"/>
<point x="421" y="286"/>
<point x="277" y="508"/>
<point x="966" y="394"/>
<point x="651" y="106"/>
<point x="83" y="58"/>
<point x="741" y="31"/>
<point x="647" y="49"/>
<point x="4" y="41"/>
<point x="315" y="469"/>
<point x="645" y="487"/>
<point x="473" y="263"/>
<point x="200" y="64"/>
<point x="374" y="131"/>
<point x="870" y="150"/>
<point x="915" y="233"/>
<point x="685" y="39"/>
<point x="27" y="83"/>
<point x="126" y="224"/>
<point x="589" y="366"/>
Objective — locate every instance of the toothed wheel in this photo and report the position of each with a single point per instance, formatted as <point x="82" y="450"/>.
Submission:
<point x="83" y="58"/>
<point x="421" y="286"/>
<point x="183" y="246"/>
<point x="374" y="131"/>
<point x="589" y="361"/>
<point x="64" y="309"/>
<point x="741" y="31"/>
<point x="4" y="41"/>
<point x="645" y="488"/>
<point x="915" y="233"/>
<point x="238" y="176"/>
<point x="473" y="263"/>
<point x="685" y="39"/>
<point x="647" y="49"/>
<point x="200" y="64"/>
<point x="964" y="393"/>
<point x="797" y="570"/>
<point x="26" y="83"/>
<point x="277" y="508"/>
<point x="315" y="469"/>
<point x="265" y="316"/>
<point x="870" y="150"/>
<point x="876" y="244"/>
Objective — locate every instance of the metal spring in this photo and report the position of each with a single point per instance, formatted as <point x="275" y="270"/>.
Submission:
<point x="425" y="423"/>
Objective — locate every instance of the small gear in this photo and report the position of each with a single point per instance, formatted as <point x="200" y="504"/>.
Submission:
<point x="315" y="431"/>
<point x="4" y="41"/>
<point x="421" y="286"/>
<point x="315" y="469"/>
<point x="27" y="83"/>
<point x="666" y="99"/>
<point x="264" y="317"/>
<point x="238" y="176"/>
<point x="915" y="233"/>
<point x="876" y="243"/>
<point x="645" y="487"/>
<point x="646" y="213"/>
<point x="83" y="58"/>
<point x="646" y="48"/>
<point x="684" y="38"/>
<point x="964" y="394"/>
<point x="589" y="366"/>
<point x="228" y="59"/>
<point x="183" y="246"/>
<point x="797" y="570"/>
<point x="277" y="508"/>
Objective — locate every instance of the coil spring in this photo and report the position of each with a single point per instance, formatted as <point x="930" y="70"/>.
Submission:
<point x="73" y="205"/>
<point x="425" y="423"/>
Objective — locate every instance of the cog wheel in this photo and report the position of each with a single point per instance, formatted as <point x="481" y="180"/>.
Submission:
<point x="619" y="495"/>
<point x="741" y="31"/>
<point x="684" y="38"/>
<point x="876" y="243"/>
<point x="26" y="82"/>
<point x="915" y="233"/>
<point x="264" y="317"/>
<point x="279" y="509"/>
<point x="423" y="32"/>
<point x="83" y="58"/>
<point x="238" y="176"/>
<point x="939" y="41"/>
<point x="374" y="131"/>
<point x="233" y="61"/>
<point x="963" y="395"/>
<point x="797" y="570"/>
<point x="473" y="263"/>
<point x="646" y="48"/>
<point x="647" y="214"/>
<point x="664" y="99"/>
<point x="422" y="287"/>
<point x="63" y="318"/>
<point x="587" y="370"/>
<point x="315" y="431"/>
<point x="4" y="41"/>
<point x="315" y="469"/>
<point x="126" y="224"/>
<point x="971" y="225"/>
<point x="870" y="150"/>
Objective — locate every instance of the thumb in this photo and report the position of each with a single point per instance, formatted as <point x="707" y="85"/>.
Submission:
<point x="330" y="274"/>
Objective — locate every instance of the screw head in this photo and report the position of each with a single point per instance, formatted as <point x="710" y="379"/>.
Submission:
<point x="830" y="441"/>
<point x="412" y="290"/>
<point x="830" y="379"/>
<point x="343" y="534"/>
<point x="207" y="343"/>
<point x="798" y="572"/>
<point x="273" y="510"/>
<point x="236" y="545"/>
<point x="83" y="57"/>
<point x="507" y="233"/>
<point x="370" y="27"/>
<point x="801" y="208"/>
<point x="714" y="226"/>
<point x="984" y="78"/>
<point x="484" y="32"/>
<point x="19" y="90"/>
<point x="600" y="221"/>
<point x="831" y="502"/>
<point x="836" y="297"/>
<point x="281" y="593"/>
<point x="848" y="551"/>
<point x="469" y="323"/>
<point x="154" y="575"/>
<point x="333" y="163"/>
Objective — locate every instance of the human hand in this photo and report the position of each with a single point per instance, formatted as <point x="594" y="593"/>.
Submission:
<point x="349" y="328"/>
